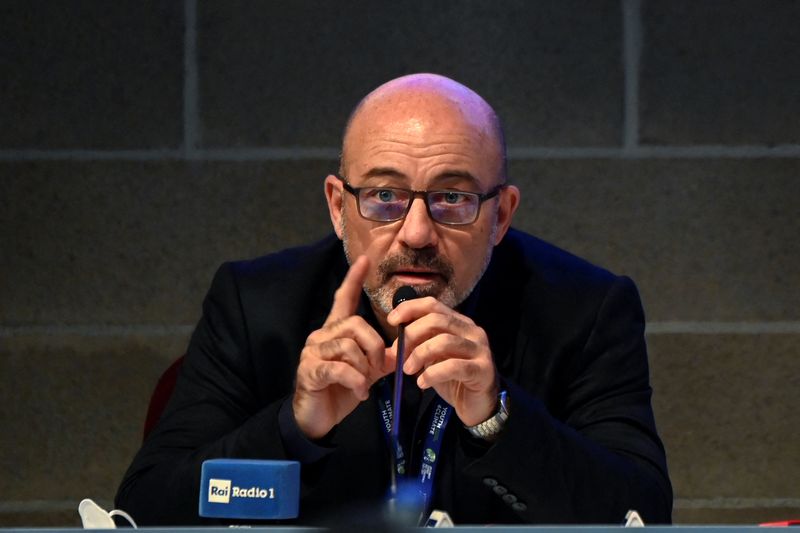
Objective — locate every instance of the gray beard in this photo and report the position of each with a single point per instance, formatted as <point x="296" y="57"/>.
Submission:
<point x="445" y="291"/>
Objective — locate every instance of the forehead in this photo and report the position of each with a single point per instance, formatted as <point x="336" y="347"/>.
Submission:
<point x="422" y="137"/>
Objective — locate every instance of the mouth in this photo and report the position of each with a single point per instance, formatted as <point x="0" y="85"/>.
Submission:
<point x="416" y="276"/>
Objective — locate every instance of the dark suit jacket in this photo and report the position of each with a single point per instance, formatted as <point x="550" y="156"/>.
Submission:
<point x="580" y="445"/>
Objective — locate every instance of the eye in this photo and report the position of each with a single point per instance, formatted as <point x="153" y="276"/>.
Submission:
<point x="385" y="195"/>
<point x="451" y="198"/>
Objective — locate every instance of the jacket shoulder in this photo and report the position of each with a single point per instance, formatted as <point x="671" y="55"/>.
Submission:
<point x="290" y="263"/>
<point x="539" y="261"/>
<point x="286" y="288"/>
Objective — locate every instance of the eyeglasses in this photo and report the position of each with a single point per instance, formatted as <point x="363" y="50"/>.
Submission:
<point x="388" y="204"/>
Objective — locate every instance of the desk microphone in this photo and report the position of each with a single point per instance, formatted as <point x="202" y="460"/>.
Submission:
<point x="249" y="489"/>
<point x="401" y="295"/>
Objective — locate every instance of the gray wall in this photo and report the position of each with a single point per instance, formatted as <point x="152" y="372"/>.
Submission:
<point x="143" y="143"/>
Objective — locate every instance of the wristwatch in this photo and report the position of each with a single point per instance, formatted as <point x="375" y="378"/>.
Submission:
<point x="490" y="428"/>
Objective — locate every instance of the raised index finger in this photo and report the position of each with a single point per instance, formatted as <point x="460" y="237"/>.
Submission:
<point x="347" y="296"/>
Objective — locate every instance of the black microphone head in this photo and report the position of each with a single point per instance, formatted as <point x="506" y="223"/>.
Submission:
<point x="402" y="294"/>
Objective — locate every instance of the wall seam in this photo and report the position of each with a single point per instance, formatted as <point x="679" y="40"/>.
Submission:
<point x="632" y="48"/>
<point x="521" y="153"/>
<point x="191" y="97"/>
<point x="734" y="503"/>
<point x="154" y="330"/>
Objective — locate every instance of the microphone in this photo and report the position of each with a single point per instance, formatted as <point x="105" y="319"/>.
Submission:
<point x="402" y="294"/>
<point x="249" y="489"/>
<point x="406" y="292"/>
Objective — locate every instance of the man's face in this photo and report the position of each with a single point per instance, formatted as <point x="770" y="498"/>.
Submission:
<point x="430" y="147"/>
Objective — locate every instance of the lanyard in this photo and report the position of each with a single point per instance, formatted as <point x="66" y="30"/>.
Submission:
<point x="433" y="440"/>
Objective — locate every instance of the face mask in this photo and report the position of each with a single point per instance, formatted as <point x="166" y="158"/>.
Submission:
<point x="95" y="517"/>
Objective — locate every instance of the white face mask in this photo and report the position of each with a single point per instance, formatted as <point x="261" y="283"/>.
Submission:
<point x="95" y="517"/>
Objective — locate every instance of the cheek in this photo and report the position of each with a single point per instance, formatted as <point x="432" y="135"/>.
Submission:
<point x="374" y="242"/>
<point x="466" y="254"/>
<point x="377" y="251"/>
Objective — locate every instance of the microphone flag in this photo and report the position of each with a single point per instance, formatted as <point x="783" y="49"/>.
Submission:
<point x="249" y="489"/>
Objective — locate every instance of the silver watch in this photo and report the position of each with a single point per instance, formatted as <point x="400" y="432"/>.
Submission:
<point x="490" y="428"/>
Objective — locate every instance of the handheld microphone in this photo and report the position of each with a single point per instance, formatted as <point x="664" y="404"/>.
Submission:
<point x="402" y="294"/>
<point x="249" y="489"/>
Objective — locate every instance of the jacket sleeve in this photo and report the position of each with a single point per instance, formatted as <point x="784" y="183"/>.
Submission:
<point x="213" y="412"/>
<point x="602" y="455"/>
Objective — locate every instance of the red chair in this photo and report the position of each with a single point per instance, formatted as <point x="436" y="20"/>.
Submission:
<point x="161" y="395"/>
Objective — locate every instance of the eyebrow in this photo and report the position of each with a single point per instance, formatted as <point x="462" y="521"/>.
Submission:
<point x="389" y="172"/>
<point x="384" y="172"/>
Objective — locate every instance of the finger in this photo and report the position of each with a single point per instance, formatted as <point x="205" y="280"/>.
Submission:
<point x="467" y="385"/>
<point x="439" y="348"/>
<point x="472" y="374"/>
<point x="342" y="349"/>
<point x="449" y="334"/>
<point x="433" y="324"/>
<point x="323" y="374"/>
<point x="411" y="310"/>
<point x="389" y="360"/>
<point x="347" y="296"/>
<point x="368" y="342"/>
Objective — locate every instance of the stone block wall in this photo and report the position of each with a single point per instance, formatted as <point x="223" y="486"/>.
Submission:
<point x="143" y="143"/>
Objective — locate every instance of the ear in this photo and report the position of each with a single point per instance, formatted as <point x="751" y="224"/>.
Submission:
<point x="334" y="196"/>
<point x="507" y="206"/>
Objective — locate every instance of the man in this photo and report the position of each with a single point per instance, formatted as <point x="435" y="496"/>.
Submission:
<point x="537" y="357"/>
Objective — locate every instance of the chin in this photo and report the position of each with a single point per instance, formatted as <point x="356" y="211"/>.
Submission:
<point x="382" y="296"/>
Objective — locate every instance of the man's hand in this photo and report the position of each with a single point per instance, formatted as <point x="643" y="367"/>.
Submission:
<point x="339" y="362"/>
<point x="451" y="354"/>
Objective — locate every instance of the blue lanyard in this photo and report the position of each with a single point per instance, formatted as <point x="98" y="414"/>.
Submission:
<point x="433" y="440"/>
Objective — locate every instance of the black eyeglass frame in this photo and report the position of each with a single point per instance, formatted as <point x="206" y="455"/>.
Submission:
<point x="425" y="195"/>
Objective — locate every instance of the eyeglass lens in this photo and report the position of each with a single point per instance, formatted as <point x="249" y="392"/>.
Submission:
<point x="447" y="207"/>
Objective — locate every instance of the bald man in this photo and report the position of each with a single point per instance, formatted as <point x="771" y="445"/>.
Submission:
<point x="526" y="393"/>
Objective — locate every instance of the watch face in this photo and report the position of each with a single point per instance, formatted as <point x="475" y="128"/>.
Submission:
<point x="492" y="426"/>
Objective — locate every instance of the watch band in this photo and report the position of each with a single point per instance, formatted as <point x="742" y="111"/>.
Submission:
<point x="491" y="427"/>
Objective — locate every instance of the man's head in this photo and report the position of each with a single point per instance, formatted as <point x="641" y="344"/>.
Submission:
<point x="425" y="133"/>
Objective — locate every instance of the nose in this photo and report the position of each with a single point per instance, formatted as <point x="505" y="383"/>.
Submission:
<point x="418" y="230"/>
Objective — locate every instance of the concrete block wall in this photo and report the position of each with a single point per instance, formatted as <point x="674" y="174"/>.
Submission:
<point x="143" y="143"/>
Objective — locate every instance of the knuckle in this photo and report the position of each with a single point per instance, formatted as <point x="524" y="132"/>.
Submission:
<point x="454" y="343"/>
<point x="468" y="345"/>
<point x="473" y="369"/>
<point x="377" y="347"/>
<point x="346" y="345"/>
<point x="431" y="301"/>
<point x="315" y="337"/>
<point x="322" y="373"/>
<point x="356" y="321"/>
<point x="331" y="348"/>
<point x="307" y="375"/>
<point x="454" y="323"/>
<point x="307" y="354"/>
